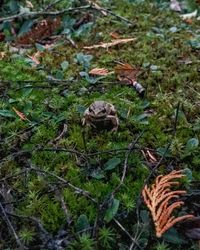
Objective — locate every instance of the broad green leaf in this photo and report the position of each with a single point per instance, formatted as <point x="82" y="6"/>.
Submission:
<point x="83" y="29"/>
<point x="84" y="60"/>
<point x="188" y="173"/>
<point x="82" y="223"/>
<point x="145" y="216"/>
<point x="59" y="74"/>
<point x="162" y="151"/>
<point x="27" y="91"/>
<point x="195" y="42"/>
<point x="172" y="236"/>
<point x="14" y="6"/>
<point x="39" y="47"/>
<point x="192" y="144"/>
<point x="112" y="163"/>
<point x="112" y="210"/>
<point x="64" y="65"/>
<point x="25" y="27"/>
<point x="7" y="113"/>
<point x="97" y="174"/>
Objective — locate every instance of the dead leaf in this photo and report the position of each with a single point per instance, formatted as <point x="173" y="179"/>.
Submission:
<point x="189" y="15"/>
<point x="2" y="37"/>
<point x="84" y="19"/>
<point x="175" y="5"/>
<point x="149" y="156"/>
<point x="20" y="114"/>
<point x="113" y="43"/>
<point x="114" y="35"/>
<point x="126" y="73"/>
<point x="191" y="228"/>
<point x="2" y="55"/>
<point x="42" y="30"/>
<point x="128" y="76"/>
<point x="99" y="72"/>
<point x="188" y="21"/>
<point x="35" y="57"/>
<point x="29" y="4"/>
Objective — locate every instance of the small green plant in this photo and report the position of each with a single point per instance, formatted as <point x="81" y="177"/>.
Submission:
<point x="26" y="236"/>
<point x="106" y="236"/>
<point x="84" y="242"/>
<point x="161" y="246"/>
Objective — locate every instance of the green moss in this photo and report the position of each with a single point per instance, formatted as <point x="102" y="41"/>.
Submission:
<point x="157" y="51"/>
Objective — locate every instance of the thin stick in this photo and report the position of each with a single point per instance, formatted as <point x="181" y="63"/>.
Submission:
<point x="112" y="14"/>
<point x="127" y="233"/>
<point x="131" y="148"/>
<point x="11" y="227"/>
<point x="77" y="190"/>
<point x="44" y="13"/>
<point x="52" y="4"/>
<point x="40" y="226"/>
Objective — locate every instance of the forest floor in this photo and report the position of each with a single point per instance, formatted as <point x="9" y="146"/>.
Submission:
<point x="64" y="185"/>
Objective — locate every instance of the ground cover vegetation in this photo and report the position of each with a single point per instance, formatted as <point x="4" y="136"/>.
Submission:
<point x="64" y="185"/>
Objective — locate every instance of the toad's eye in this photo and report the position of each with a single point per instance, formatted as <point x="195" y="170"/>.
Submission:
<point x="90" y="109"/>
<point x="104" y="111"/>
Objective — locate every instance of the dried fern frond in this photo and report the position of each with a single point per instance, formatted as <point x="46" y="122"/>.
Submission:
<point x="158" y="197"/>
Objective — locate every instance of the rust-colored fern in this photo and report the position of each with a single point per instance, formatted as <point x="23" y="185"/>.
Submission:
<point x="158" y="197"/>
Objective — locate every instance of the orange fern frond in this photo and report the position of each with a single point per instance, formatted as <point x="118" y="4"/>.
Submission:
<point x="158" y="197"/>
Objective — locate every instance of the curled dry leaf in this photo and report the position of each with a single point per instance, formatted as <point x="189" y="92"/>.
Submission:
<point x="114" y="35"/>
<point x="189" y="15"/>
<point x="99" y="72"/>
<point x="126" y="73"/>
<point x="159" y="199"/>
<point x="35" y="57"/>
<point x="113" y="43"/>
<point x="128" y="76"/>
<point x="20" y="114"/>
<point x="149" y="156"/>
<point x="2" y="55"/>
<point x="29" y="4"/>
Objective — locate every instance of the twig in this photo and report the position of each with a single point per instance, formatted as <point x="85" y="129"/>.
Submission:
<point x="64" y="206"/>
<point x="56" y="13"/>
<point x="127" y="233"/>
<point x="52" y="4"/>
<point x="13" y="176"/>
<point x="34" y="219"/>
<point x="19" y="243"/>
<point x="44" y="13"/>
<point x="112" y="14"/>
<point x="76" y="189"/>
<point x="131" y="148"/>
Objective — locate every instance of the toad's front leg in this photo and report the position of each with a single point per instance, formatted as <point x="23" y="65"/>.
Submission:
<point x="114" y="120"/>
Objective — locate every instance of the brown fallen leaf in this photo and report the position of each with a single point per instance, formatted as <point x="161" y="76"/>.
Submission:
<point x="126" y="73"/>
<point x="29" y="5"/>
<point x="99" y="72"/>
<point x="113" y="43"/>
<point x="35" y="57"/>
<point x="128" y="76"/>
<point x="20" y="114"/>
<point x="2" y="55"/>
<point x="114" y="35"/>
